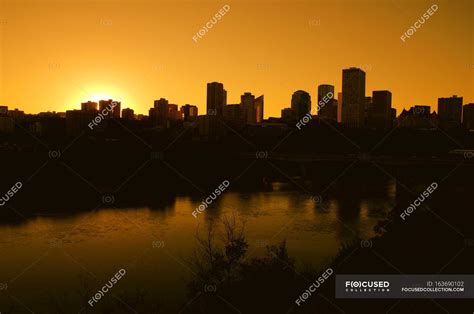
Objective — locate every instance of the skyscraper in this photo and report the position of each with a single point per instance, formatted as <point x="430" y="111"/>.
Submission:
<point x="301" y="103"/>
<point x="339" y="107"/>
<point x="449" y="112"/>
<point x="325" y="90"/>
<point x="259" y="109"/>
<point x="353" y="97"/>
<point x="161" y="112"/>
<point x="247" y="102"/>
<point x="216" y="98"/>
<point x="327" y="106"/>
<point x="110" y="105"/>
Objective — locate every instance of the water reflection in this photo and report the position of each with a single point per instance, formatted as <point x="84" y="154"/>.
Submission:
<point x="50" y="261"/>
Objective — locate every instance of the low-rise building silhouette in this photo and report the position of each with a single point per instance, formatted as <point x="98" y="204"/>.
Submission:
<point x="189" y="112"/>
<point x="128" y="114"/>
<point x="468" y="116"/>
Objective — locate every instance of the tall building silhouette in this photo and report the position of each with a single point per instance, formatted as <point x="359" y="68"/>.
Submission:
<point x="247" y="103"/>
<point x="160" y="112"/>
<point x="353" y="97"/>
<point x="449" y="112"/>
<point x="252" y="108"/>
<point x="325" y="90"/>
<point x="259" y="108"/>
<point x="339" y="107"/>
<point x="301" y="103"/>
<point x="216" y="98"/>
<point x="110" y="105"/>
<point x="327" y="105"/>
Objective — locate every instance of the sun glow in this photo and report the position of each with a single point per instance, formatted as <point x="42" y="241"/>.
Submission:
<point x="97" y="97"/>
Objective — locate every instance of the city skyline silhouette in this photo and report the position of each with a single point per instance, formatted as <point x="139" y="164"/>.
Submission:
<point x="307" y="48"/>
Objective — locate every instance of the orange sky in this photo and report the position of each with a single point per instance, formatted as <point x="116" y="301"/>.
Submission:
<point x="55" y="54"/>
